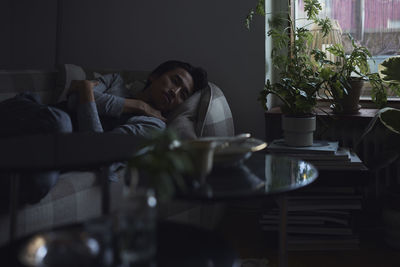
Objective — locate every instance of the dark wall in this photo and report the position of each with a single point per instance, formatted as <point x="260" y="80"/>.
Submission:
<point x="138" y="35"/>
<point x="28" y="34"/>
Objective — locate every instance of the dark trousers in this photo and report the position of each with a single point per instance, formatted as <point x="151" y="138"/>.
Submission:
<point x="21" y="115"/>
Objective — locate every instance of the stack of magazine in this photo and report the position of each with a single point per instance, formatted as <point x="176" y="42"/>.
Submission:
<point x="325" y="155"/>
<point x="319" y="219"/>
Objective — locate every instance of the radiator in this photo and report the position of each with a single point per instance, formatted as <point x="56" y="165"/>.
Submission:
<point x="368" y="149"/>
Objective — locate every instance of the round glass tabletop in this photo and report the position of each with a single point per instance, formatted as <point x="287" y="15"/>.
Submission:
<point x="259" y="175"/>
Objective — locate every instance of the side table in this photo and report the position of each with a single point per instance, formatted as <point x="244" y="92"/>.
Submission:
<point x="347" y="129"/>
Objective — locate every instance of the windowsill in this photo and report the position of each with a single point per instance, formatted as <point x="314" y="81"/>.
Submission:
<point x="391" y="102"/>
<point x="365" y="102"/>
<point x="326" y="111"/>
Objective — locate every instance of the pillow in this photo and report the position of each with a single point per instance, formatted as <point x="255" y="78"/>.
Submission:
<point x="205" y="113"/>
<point x="183" y="119"/>
<point x="214" y="115"/>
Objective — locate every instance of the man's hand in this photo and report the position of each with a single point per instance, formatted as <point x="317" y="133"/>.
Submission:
<point x="84" y="89"/>
<point x="140" y="107"/>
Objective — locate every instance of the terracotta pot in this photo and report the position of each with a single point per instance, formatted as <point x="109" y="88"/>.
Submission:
<point x="298" y="131"/>
<point x="349" y="104"/>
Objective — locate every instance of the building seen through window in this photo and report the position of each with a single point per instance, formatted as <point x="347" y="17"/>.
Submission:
<point x="374" y="24"/>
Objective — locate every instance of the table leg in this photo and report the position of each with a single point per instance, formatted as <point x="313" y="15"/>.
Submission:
<point x="283" y="214"/>
<point x="105" y="188"/>
<point x="14" y="196"/>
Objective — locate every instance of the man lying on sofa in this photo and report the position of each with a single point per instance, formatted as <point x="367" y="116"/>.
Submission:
<point x="102" y="104"/>
<point x="167" y="86"/>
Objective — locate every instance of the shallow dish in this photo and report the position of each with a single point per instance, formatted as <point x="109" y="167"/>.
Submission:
<point x="236" y="151"/>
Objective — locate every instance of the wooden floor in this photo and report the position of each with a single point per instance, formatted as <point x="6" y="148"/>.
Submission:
<point x="243" y="230"/>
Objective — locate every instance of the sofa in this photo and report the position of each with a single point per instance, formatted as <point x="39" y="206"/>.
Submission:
<point x="77" y="195"/>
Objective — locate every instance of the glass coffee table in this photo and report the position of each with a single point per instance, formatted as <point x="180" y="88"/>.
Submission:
<point x="259" y="176"/>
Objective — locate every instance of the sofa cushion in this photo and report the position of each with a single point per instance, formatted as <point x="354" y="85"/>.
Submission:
<point x="40" y="82"/>
<point x="66" y="74"/>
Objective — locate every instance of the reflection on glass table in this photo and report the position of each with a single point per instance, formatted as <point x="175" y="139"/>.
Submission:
<point x="259" y="175"/>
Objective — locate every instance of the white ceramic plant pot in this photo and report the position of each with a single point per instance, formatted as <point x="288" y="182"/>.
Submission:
<point x="298" y="131"/>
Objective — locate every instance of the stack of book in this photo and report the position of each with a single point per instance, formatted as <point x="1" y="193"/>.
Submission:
<point x="325" y="155"/>
<point x="319" y="219"/>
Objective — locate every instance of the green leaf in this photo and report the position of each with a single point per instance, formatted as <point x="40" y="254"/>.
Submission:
<point x="277" y="21"/>
<point x="390" y="117"/>
<point x="303" y="93"/>
<point x="263" y="98"/>
<point x="318" y="55"/>
<point x="312" y="8"/>
<point x="392" y="69"/>
<point x="326" y="73"/>
<point x="395" y="88"/>
<point x="337" y="50"/>
<point x="249" y="19"/>
<point x="326" y="26"/>
<point x="164" y="162"/>
<point x="260" y="8"/>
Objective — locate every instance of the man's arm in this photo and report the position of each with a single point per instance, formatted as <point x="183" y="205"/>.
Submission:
<point x="88" y="118"/>
<point x="115" y="106"/>
<point x="141" y="126"/>
<point x="139" y="107"/>
<point x="87" y="115"/>
<point x="109" y="94"/>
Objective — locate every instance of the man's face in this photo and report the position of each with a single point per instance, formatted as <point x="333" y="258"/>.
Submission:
<point x="170" y="89"/>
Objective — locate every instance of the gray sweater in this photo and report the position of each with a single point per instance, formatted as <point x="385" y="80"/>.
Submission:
<point x="109" y="101"/>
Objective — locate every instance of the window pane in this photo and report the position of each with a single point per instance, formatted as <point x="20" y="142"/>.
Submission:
<point x="372" y="23"/>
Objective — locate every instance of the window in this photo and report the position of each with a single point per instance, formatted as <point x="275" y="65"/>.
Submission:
<point x="374" y="24"/>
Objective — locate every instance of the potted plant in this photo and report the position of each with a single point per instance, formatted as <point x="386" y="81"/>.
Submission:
<point x="345" y="78"/>
<point x="299" y="82"/>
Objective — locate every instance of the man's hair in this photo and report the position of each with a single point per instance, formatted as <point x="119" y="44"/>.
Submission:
<point x="199" y="75"/>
